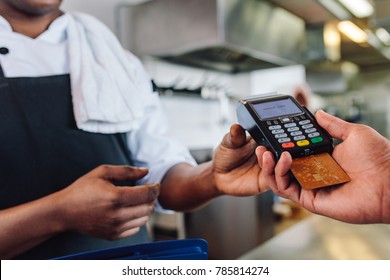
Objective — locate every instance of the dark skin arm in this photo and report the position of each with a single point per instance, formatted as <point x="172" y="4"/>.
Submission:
<point x="233" y="170"/>
<point x="92" y="205"/>
<point x="364" y="154"/>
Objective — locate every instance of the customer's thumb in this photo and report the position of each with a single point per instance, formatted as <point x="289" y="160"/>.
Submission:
<point x="336" y="127"/>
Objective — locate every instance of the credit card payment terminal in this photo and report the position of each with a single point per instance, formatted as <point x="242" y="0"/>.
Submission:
<point x="280" y="123"/>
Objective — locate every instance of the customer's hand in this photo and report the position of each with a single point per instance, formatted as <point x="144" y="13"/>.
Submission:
<point x="236" y="171"/>
<point x="365" y="156"/>
<point x="94" y="206"/>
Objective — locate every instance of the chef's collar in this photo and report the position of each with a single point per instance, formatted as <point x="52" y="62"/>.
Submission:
<point x="56" y="33"/>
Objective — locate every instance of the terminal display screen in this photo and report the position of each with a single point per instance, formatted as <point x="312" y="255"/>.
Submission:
<point x="276" y="108"/>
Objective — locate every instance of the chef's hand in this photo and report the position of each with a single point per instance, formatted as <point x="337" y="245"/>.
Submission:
<point x="236" y="170"/>
<point x="365" y="156"/>
<point x="94" y="206"/>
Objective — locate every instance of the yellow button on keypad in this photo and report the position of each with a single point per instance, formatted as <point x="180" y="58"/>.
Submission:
<point x="303" y="143"/>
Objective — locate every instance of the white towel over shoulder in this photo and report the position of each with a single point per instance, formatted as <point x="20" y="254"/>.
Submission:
<point x="106" y="94"/>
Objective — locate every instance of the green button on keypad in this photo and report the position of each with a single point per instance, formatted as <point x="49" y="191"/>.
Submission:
<point x="317" y="139"/>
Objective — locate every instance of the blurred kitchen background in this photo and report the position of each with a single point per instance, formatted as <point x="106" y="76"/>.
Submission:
<point x="205" y="54"/>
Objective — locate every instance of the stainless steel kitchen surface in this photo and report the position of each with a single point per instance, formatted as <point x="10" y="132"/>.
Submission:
<point x="234" y="36"/>
<point x="321" y="238"/>
<point x="217" y="34"/>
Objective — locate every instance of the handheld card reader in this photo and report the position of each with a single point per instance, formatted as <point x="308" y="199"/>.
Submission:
<point x="280" y="123"/>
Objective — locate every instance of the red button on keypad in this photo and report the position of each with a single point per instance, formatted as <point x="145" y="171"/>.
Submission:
<point x="288" y="145"/>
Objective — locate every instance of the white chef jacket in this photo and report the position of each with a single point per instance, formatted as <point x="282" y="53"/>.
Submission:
<point x="150" y="145"/>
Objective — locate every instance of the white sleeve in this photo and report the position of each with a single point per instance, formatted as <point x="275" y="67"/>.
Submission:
<point x="151" y="144"/>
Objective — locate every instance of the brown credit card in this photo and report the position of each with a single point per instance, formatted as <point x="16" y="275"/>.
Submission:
<point x="317" y="171"/>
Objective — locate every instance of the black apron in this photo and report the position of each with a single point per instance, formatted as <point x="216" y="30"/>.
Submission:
<point x="42" y="151"/>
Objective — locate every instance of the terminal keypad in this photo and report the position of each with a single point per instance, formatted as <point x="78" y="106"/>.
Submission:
<point x="294" y="131"/>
